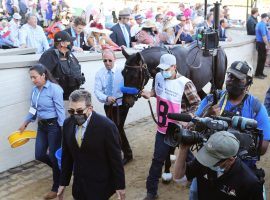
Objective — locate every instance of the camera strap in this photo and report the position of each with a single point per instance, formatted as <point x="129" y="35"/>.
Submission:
<point x="235" y="110"/>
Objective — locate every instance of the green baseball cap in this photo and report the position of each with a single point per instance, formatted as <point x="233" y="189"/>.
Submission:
<point x="221" y="145"/>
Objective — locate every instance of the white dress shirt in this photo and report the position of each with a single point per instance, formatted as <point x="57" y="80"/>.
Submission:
<point x="101" y="80"/>
<point x="84" y="127"/>
<point x="34" y="37"/>
<point x="125" y="33"/>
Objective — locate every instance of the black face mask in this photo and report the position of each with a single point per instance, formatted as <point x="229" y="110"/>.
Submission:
<point x="235" y="88"/>
<point x="79" y="119"/>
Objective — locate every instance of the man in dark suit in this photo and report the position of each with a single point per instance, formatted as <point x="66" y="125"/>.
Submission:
<point x="91" y="149"/>
<point x="222" y="31"/>
<point x="252" y="21"/>
<point x="121" y="31"/>
<point x="76" y="31"/>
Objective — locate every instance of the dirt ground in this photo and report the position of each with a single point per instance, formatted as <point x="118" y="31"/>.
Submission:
<point x="141" y="136"/>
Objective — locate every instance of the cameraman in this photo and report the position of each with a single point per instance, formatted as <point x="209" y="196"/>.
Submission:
<point x="220" y="173"/>
<point x="175" y="93"/>
<point x="236" y="100"/>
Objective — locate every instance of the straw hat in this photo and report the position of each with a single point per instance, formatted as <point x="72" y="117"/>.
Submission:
<point x="149" y="24"/>
<point x="98" y="28"/>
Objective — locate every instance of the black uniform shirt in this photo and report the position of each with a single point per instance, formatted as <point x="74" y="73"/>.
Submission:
<point x="238" y="183"/>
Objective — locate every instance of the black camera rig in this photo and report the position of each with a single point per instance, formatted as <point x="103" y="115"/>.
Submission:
<point x="244" y="129"/>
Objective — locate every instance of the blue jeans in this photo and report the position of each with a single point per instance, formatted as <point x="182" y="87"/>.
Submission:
<point x="49" y="137"/>
<point x="161" y="152"/>
<point x="193" y="191"/>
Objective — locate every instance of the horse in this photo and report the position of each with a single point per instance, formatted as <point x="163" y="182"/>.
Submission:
<point x="191" y="62"/>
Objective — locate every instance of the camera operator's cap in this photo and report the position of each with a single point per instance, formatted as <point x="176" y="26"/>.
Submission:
<point x="220" y="145"/>
<point x="241" y="70"/>
<point x="166" y="61"/>
<point x="63" y="36"/>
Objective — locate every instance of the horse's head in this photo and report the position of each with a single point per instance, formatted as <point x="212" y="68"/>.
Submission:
<point x="136" y="76"/>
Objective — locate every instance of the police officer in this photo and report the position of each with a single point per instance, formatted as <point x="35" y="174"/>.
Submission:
<point x="63" y="65"/>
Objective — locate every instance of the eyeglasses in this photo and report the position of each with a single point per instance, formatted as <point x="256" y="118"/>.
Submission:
<point x="107" y="60"/>
<point x="183" y="20"/>
<point x="79" y="111"/>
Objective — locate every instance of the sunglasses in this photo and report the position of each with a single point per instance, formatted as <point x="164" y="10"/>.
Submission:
<point x="78" y="112"/>
<point x="107" y="60"/>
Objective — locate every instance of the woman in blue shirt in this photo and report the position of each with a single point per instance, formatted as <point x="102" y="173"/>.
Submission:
<point x="47" y="106"/>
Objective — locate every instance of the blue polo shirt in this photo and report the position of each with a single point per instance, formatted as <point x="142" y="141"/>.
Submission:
<point x="261" y="30"/>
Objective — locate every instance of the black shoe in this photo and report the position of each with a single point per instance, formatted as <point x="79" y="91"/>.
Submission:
<point x="127" y="159"/>
<point x="259" y="76"/>
<point x="264" y="75"/>
<point x="150" y="197"/>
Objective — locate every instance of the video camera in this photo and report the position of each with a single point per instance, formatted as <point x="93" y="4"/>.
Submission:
<point x="209" y="39"/>
<point x="244" y="129"/>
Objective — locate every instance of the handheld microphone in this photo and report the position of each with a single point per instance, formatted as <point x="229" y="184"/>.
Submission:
<point x="129" y="90"/>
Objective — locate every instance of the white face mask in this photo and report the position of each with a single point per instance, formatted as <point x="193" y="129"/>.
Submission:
<point x="166" y="74"/>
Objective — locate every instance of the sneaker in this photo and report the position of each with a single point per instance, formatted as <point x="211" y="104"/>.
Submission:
<point x="150" y="196"/>
<point x="166" y="177"/>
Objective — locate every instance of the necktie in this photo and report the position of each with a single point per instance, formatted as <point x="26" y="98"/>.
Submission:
<point x="109" y="86"/>
<point x="79" y="136"/>
<point x="126" y="35"/>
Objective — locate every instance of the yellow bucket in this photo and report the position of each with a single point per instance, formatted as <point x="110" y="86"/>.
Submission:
<point x="17" y="138"/>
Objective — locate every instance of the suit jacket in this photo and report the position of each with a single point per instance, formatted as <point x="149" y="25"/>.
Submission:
<point x="117" y="35"/>
<point x="82" y="42"/>
<point x="97" y="165"/>
<point x="222" y="34"/>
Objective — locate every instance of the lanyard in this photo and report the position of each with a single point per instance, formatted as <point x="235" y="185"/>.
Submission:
<point x="224" y="104"/>
<point x="32" y="99"/>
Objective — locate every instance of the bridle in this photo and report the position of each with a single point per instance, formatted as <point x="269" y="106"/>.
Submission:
<point x="143" y="76"/>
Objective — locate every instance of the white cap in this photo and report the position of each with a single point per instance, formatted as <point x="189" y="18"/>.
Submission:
<point x="166" y="61"/>
<point x="17" y="16"/>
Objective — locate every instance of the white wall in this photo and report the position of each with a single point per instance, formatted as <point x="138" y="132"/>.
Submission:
<point x="15" y="97"/>
<point x="15" y="88"/>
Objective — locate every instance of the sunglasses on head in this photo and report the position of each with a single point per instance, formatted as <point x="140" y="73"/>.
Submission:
<point x="78" y="111"/>
<point x="107" y="60"/>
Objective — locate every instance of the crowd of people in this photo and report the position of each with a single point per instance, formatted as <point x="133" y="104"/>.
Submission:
<point x="95" y="148"/>
<point x="21" y="20"/>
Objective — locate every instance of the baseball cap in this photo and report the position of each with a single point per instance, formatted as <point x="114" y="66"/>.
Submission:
<point x="241" y="70"/>
<point x="166" y="61"/>
<point x="17" y="16"/>
<point x="63" y="36"/>
<point x="220" y="145"/>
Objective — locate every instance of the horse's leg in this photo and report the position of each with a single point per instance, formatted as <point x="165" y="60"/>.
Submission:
<point x="168" y="162"/>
